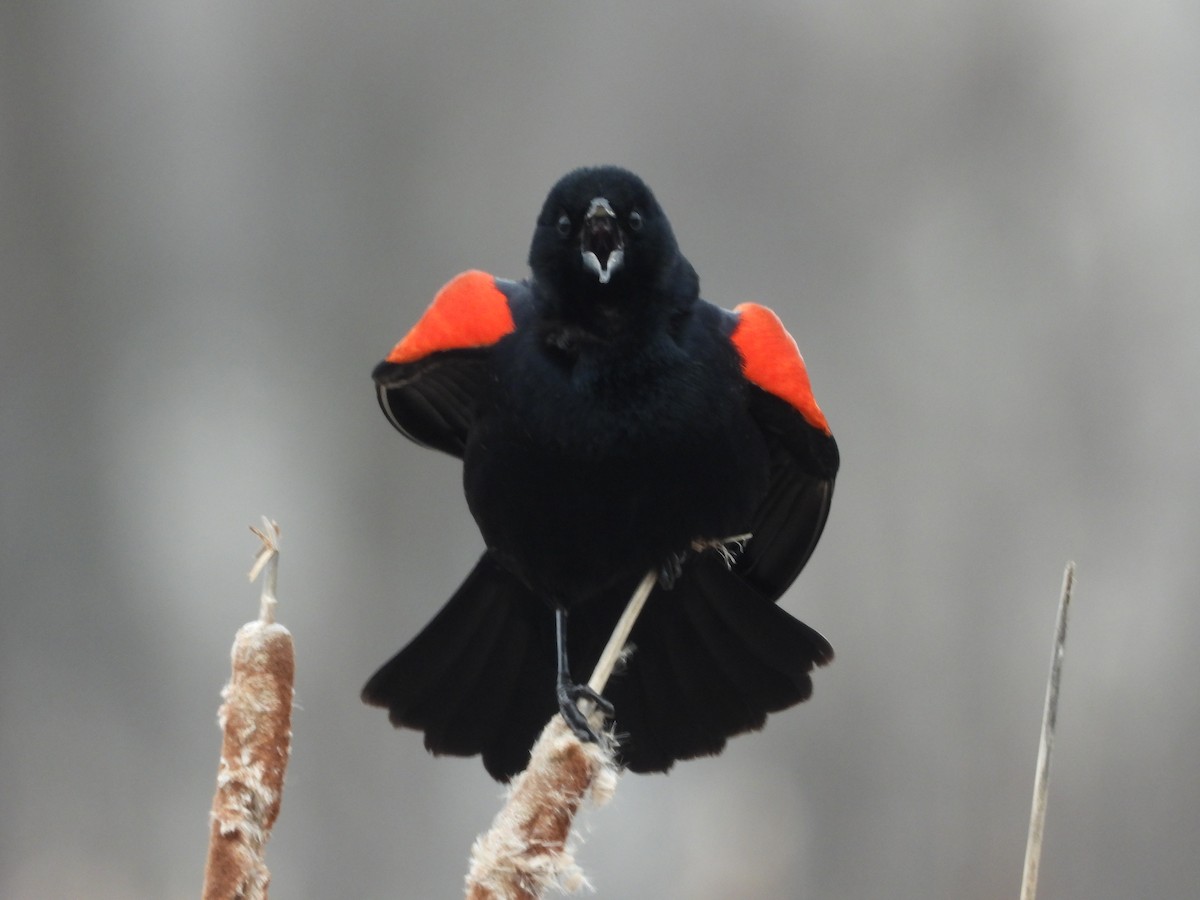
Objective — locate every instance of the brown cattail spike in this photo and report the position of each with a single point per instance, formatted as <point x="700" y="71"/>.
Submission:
<point x="256" y="719"/>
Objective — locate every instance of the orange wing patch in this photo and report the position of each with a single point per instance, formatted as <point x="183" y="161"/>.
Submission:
<point x="771" y="360"/>
<point x="468" y="312"/>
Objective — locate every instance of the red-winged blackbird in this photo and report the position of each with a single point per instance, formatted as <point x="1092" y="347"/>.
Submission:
<point x="610" y="423"/>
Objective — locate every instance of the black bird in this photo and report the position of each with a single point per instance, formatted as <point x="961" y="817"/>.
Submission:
<point x="610" y="423"/>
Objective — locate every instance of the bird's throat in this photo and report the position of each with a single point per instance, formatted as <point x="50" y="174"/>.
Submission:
<point x="604" y="263"/>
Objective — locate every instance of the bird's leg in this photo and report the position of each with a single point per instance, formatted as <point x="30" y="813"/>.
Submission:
<point x="570" y="692"/>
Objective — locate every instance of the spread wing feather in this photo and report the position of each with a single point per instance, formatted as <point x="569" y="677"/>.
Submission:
<point x="431" y="384"/>
<point x="432" y="401"/>
<point x="791" y="517"/>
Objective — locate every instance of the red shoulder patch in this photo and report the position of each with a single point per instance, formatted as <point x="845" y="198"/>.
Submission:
<point x="771" y="360"/>
<point x="470" y="311"/>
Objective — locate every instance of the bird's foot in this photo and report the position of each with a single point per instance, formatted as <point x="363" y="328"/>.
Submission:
<point x="569" y="696"/>
<point x="670" y="570"/>
<point x="729" y="548"/>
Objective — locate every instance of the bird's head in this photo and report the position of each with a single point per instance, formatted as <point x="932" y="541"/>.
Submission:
<point x="602" y="237"/>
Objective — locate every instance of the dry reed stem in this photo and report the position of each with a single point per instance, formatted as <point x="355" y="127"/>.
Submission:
<point x="256" y="719"/>
<point x="1041" y="783"/>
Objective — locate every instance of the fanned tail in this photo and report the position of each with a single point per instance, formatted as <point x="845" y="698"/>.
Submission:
<point x="480" y="677"/>
<point x="711" y="659"/>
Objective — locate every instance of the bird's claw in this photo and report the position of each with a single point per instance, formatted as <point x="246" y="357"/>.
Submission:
<point x="569" y="695"/>
<point x="671" y="569"/>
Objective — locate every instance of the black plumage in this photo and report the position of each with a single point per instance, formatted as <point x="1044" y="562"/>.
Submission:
<point x="610" y="423"/>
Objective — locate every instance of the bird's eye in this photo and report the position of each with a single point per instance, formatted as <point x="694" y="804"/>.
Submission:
<point x="635" y="221"/>
<point x="564" y="224"/>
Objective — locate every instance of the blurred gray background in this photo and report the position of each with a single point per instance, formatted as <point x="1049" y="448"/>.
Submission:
<point x="981" y="221"/>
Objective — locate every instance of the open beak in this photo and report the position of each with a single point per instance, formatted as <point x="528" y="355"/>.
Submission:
<point x="602" y="244"/>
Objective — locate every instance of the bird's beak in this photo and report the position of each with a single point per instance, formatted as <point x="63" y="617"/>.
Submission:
<point x="602" y="244"/>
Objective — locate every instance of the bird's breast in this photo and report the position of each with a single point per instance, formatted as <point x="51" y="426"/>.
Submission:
<point x="585" y="477"/>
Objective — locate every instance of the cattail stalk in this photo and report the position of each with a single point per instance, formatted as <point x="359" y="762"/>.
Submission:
<point x="256" y="719"/>
<point x="526" y="851"/>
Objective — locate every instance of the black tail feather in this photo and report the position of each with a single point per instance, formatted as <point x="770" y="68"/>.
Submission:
<point x="712" y="657"/>
<point x="531" y="704"/>
<point x="474" y="709"/>
<point x="756" y="682"/>
<point x="416" y="676"/>
<point x="675" y="724"/>
<point x="716" y="702"/>
<point x="439" y="705"/>
<point x="480" y="677"/>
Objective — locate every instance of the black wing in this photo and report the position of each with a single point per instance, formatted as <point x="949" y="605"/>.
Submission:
<point x="432" y="383"/>
<point x="803" y="454"/>
<point x="432" y="401"/>
<point x="791" y="517"/>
